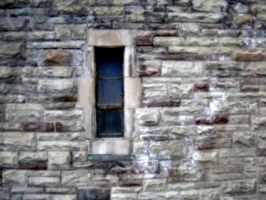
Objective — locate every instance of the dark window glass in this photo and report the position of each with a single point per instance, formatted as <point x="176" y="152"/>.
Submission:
<point x="109" y="89"/>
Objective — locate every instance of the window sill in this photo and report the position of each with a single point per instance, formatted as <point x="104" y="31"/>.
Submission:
<point x="109" y="157"/>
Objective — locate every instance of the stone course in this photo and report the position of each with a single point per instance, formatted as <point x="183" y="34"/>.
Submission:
<point x="194" y="106"/>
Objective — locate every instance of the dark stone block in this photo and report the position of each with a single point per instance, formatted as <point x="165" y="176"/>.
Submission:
<point x="94" y="194"/>
<point x="34" y="165"/>
<point x="144" y="38"/>
<point x="211" y="120"/>
<point x="55" y="58"/>
<point x="161" y="103"/>
<point x="201" y="87"/>
<point x="65" y="99"/>
<point x="38" y="127"/>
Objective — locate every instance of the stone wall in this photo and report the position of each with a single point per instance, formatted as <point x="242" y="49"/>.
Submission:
<point x="197" y="132"/>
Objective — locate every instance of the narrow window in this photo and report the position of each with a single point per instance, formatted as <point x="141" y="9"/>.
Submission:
<point x="109" y="92"/>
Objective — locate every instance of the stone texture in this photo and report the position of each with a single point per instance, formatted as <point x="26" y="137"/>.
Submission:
<point x="54" y="58"/>
<point x="240" y="187"/>
<point x="59" y="160"/>
<point x="211" y="120"/>
<point x="76" y="178"/>
<point x="209" y="5"/>
<point x="15" y="177"/>
<point x="38" y="127"/>
<point x="147" y="117"/>
<point x="8" y="159"/>
<point x="11" y="50"/>
<point x="144" y="38"/>
<point x="254" y="54"/>
<point x="64" y="85"/>
<point x="44" y="181"/>
<point x="111" y="146"/>
<point x="243" y="19"/>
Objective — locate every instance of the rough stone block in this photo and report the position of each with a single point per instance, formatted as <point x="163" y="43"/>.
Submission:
<point x="59" y="85"/>
<point x="213" y="6"/>
<point x="65" y="126"/>
<point x="178" y="91"/>
<point x="44" y="181"/>
<point x="38" y="127"/>
<point x="168" y="150"/>
<point x="54" y="58"/>
<point x="212" y="143"/>
<point x="147" y="117"/>
<point x="195" y="17"/>
<point x="11" y="50"/>
<point x="93" y="193"/>
<point x="144" y="38"/>
<point x="57" y="115"/>
<point x="211" y="120"/>
<point x="240" y="187"/>
<point x="243" y="19"/>
<point x="182" y="69"/>
<point x="253" y="54"/>
<point x="59" y="160"/>
<point x="168" y="41"/>
<point x="17" y="141"/>
<point x="58" y="145"/>
<point x="12" y="23"/>
<point x="154" y="185"/>
<point x="159" y="195"/>
<point x="36" y="197"/>
<point x="24" y="112"/>
<point x="15" y="177"/>
<point x="76" y="178"/>
<point x="205" y="156"/>
<point x="8" y="159"/>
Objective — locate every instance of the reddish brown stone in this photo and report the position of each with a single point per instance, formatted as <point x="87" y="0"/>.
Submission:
<point x="161" y="103"/>
<point x="212" y="144"/>
<point x="38" y="127"/>
<point x="36" y="165"/>
<point x="150" y="72"/>
<point x="55" y="58"/>
<point x="254" y="54"/>
<point x="201" y="87"/>
<point x="244" y="19"/>
<point x="211" y="120"/>
<point x="166" y="33"/>
<point x="174" y="57"/>
<point x="144" y="38"/>
<point x="229" y="169"/>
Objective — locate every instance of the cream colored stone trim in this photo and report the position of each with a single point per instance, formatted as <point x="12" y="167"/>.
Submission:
<point x="86" y="91"/>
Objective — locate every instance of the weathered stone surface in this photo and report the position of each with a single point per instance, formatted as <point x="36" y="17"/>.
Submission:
<point x="243" y="19"/>
<point x="8" y="159"/>
<point x="36" y="197"/>
<point x="258" y="122"/>
<point x="168" y="41"/>
<point x="154" y="185"/>
<point x="54" y="58"/>
<point x="24" y="112"/>
<point x="93" y="193"/>
<point x="75" y="136"/>
<point x="69" y="126"/>
<point x="63" y="115"/>
<point x="211" y="120"/>
<point x="38" y="127"/>
<point x="194" y="17"/>
<point x="76" y="178"/>
<point x="209" y="5"/>
<point x="205" y="156"/>
<point x="58" y="145"/>
<point x="212" y="144"/>
<point x="253" y="54"/>
<point x="181" y="69"/>
<point x="56" y="85"/>
<point x="227" y="169"/>
<point x="67" y="7"/>
<point x="17" y="141"/>
<point x="15" y="177"/>
<point x="161" y="103"/>
<point x="59" y="160"/>
<point x="144" y="38"/>
<point x="12" y="23"/>
<point x="33" y="164"/>
<point x="243" y="139"/>
<point x="177" y="91"/>
<point x="58" y="44"/>
<point x="191" y="41"/>
<point x="18" y="189"/>
<point x="44" y="181"/>
<point x="240" y="187"/>
<point x="147" y="117"/>
<point x="167" y="150"/>
<point x="11" y="50"/>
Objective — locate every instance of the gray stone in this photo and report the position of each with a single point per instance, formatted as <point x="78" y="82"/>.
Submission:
<point x="76" y="178"/>
<point x="63" y="197"/>
<point x="44" y="181"/>
<point x="36" y="197"/>
<point x="59" y="160"/>
<point x="17" y="141"/>
<point x="15" y="177"/>
<point x="209" y="5"/>
<point x="154" y="185"/>
<point x="177" y="91"/>
<point x="58" y="145"/>
<point x="60" y="44"/>
<point x="168" y="150"/>
<point x="27" y="190"/>
<point x="158" y="195"/>
<point x="56" y="85"/>
<point x="195" y="17"/>
<point x="24" y="112"/>
<point x="205" y="156"/>
<point x="168" y="41"/>
<point x="8" y="159"/>
<point x="240" y="187"/>
<point x="57" y="115"/>
<point x="147" y="117"/>
<point x="61" y="190"/>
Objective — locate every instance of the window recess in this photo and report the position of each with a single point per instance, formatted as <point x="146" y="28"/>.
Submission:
<point x="109" y="92"/>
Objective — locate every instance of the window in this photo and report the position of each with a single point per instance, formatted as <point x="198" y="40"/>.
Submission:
<point x="109" y="92"/>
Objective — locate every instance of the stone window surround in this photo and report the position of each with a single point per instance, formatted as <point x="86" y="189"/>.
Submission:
<point x="86" y="91"/>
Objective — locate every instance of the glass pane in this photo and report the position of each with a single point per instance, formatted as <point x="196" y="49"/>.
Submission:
<point x="109" y="123"/>
<point x="109" y="92"/>
<point x="109" y="69"/>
